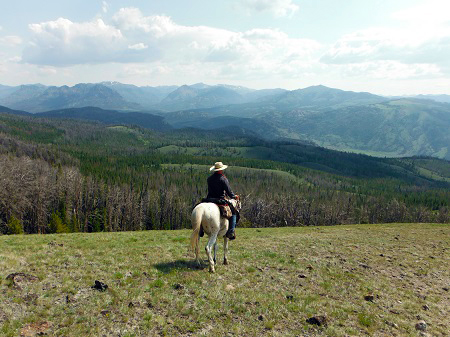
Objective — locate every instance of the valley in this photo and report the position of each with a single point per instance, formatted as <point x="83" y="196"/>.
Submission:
<point x="357" y="122"/>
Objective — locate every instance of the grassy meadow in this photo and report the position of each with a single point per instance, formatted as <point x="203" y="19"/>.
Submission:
<point x="374" y="280"/>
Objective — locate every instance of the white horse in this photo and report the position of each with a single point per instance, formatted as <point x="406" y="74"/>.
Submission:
<point x="207" y="214"/>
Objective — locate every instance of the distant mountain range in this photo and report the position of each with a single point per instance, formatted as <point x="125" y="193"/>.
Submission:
<point x="333" y="118"/>
<point x="437" y="98"/>
<point x="126" y="97"/>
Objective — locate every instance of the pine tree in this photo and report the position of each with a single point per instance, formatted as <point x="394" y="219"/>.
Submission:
<point x="56" y="225"/>
<point x="14" y="226"/>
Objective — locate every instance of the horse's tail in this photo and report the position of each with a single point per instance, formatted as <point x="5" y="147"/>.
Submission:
<point x="196" y="219"/>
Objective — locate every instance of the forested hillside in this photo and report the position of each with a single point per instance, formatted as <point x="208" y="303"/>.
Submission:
<point x="393" y="128"/>
<point x="359" y="122"/>
<point x="60" y="175"/>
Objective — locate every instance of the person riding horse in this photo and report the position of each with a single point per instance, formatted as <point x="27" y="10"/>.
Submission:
<point x="218" y="188"/>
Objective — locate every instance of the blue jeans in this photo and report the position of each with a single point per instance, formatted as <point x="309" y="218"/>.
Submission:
<point x="232" y="223"/>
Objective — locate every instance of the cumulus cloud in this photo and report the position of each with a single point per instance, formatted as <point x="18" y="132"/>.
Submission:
<point x="105" y="7"/>
<point x="131" y="37"/>
<point x="14" y="59"/>
<point x="413" y="45"/>
<point x="138" y="46"/>
<point x="63" y="42"/>
<point x="432" y="12"/>
<point x="279" y="8"/>
<point x="47" y="71"/>
<point x="10" y="40"/>
<point x="392" y="70"/>
<point x="137" y="70"/>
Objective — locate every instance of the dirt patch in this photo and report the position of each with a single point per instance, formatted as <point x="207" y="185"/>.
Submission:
<point x="35" y="329"/>
<point x="18" y="280"/>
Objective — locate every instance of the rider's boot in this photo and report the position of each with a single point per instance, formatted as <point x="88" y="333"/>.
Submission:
<point x="232" y="225"/>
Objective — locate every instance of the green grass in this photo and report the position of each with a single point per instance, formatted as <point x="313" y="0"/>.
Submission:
<point x="239" y="169"/>
<point x="277" y="278"/>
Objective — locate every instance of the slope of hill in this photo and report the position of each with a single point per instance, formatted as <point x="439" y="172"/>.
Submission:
<point x="394" y="128"/>
<point x="16" y="96"/>
<point x="193" y="97"/>
<point x="437" y="98"/>
<point x="320" y="97"/>
<point x="276" y="107"/>
<point x="343" y="120"/>
<point x="97" y="177"/>
<point x="201" y="120"/>
<point x="146" y="96"/>
<point x="430" y="167"/>
<point x="38" y="99"/>
<point x="277" y="279"/>
<point x="144" y="120"/>
<point x="256" y="95"/>
<point x="402" y="127"/>
<point x="6" y="90"/>
<point x="4" y="109"/>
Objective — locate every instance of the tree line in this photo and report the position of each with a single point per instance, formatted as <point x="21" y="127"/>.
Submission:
<point x="73" y="176"/>
<point x="38" y="197"/>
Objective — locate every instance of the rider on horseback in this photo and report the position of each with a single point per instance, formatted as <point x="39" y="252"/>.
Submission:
<point x="218" y="188"/>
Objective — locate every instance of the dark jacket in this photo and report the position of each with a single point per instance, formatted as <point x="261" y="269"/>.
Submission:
<point x="218" y="186"/>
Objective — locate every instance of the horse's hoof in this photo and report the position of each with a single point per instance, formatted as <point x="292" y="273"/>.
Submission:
<point x="225" y="261"/>
<point x="211" y="270"/>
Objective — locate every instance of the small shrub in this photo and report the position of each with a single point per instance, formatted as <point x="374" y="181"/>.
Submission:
<point x="14" y="226"/>
<point x="56" y="225"/>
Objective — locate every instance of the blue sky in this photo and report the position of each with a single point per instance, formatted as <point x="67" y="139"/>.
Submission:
<point x="385" y="47"/>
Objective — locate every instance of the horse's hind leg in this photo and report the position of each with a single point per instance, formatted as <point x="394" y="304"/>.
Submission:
<point x="208" y="248"/>
<point x="197" y="257"/>
<point x="225" y="250"/>
<point x="215" y="253"/>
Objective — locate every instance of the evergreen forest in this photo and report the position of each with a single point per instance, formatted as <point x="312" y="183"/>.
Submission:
<point x="65" y="175"/>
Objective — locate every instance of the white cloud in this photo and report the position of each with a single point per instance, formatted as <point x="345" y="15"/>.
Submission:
<point x="142" y="48"/>
<point x="63" y="42"/>
<point x="14" y="59"/>
<point x="136" y="70"/>
<point x="47" y="71"/>
<point x="132" y="37"/>
<point x="431" y="12"/>
<point x="279" y="8"/>
<point x="105" y="7"/>
<point x="391" y="70"/>
<point x="412" y="45"/>
<point x="138" y="46"/>
<point x="10" y="40"/>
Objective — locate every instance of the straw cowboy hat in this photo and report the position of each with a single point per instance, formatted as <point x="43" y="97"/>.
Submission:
<point x="219" y="166"/>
